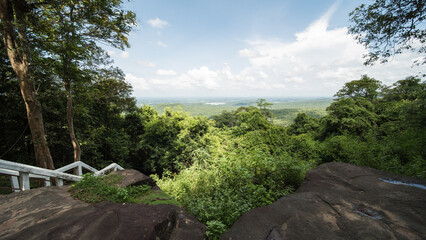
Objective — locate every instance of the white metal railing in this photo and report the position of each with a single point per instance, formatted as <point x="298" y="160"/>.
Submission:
<point x="111" y="167"/>
<point x="79" y="165"/>
<point x="20" y="174"/>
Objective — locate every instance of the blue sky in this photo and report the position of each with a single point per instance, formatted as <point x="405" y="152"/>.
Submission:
<point x="250" y="48"/>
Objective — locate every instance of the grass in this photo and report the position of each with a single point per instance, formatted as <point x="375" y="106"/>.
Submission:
<point x="94" y="189"/>
<point x="155" y="197"/>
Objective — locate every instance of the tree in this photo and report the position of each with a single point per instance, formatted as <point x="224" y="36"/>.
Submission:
<point x="387" y="27"/>
<point x="366" y="88"/>
<point x="102" y="105"/>
<point x="264" y="107"/>
<point x="14" y="143"/>
<point x="72" y="32"/>
<point x="225" y="119"/>
<point x="304" y="124"/>
<point x="263" y="104"/>
<point x="250" y="121"/>
<point x="15" y="24"/>
<point x="407" y="89"/>
<point x="348" y="116"/>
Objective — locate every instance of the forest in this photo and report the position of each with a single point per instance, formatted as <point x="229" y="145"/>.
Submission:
<point x="216" y="167"/>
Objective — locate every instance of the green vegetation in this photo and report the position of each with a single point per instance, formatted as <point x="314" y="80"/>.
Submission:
<point x="99" y="189"/>
<point x="217" y="161"/>
<point x="219" y="168"/>
<point x="156" y="197"/>
<point x="94" y="189"/>
<point x="283" y="110"/>
<point x="389" y="27"/>
<point x="248" y="160"/>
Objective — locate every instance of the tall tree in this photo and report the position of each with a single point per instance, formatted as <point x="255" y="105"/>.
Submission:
<point x="74" y="28"/>
<point x="387" y="27"/>
<point x="14" y="27"/>
<point x="366" y="88"/>
<point x="264" y="107"/>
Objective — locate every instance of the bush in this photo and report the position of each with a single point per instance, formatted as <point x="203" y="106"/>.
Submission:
<point x="99" y="189"/>
<point x="220" y="192"/>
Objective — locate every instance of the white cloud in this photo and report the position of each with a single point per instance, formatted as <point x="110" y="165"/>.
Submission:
<point x="161" y="44"/>
<point x="163" y="72"/>
<point x="182" y="82"/>
<point x="125" y="54"/>
<point x="146" y="64"/>
<point x="294" y="79"/>
<point x="159" y="82"/>
<point x="205" y="77"/>
<point x="138" y="83"/>
<point x="157" y="23"/>
<point x="316" y="63"/>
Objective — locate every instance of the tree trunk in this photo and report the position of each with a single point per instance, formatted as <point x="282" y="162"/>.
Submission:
<point x="19" y="55"/>
<point x="70" y="122"/>
<point x="66" y="77"/>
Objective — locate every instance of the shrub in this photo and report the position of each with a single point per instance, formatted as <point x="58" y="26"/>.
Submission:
<point x="99" y="189"/>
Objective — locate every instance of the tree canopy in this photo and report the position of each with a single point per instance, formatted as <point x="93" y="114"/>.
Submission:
<point x="59" y="40"/>
<point x="387" y="27"/>
<point x="367" y="88"/>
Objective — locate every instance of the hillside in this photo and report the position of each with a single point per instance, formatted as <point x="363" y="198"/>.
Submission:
<point x="284" y="110"/>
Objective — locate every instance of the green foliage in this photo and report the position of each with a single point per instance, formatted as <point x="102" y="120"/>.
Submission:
<point x="216" y="168"/>
<point x="156" y="197"/>
<point x="365" y="88"/>
<point x="304" y="147"/>
<point x="251" y="120"/>
<point x="304" y="124"/>
<point x="263" y="104"/>
<point x="410" y="89"/>
<point x="387" y="27"/>
<point x="255" y="170"/>
<point x="264" y="107"/>
<point x="215" y="228"/>
<point x="99" y="189"/>
<point x="225" y="119"/>
<point x="283" y="111"/>
<point x="15" y="142"/>
<point x="387" y="133"/>
<point x="220" y="193"/>
<point x="349" y="116"/>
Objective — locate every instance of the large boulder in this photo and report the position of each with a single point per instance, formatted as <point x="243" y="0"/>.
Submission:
<point x="50" y="213"/>
<point x="133" y="177"/>
<point x="341" y="201"/>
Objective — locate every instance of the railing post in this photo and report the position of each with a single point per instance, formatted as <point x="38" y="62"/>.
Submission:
<point x="47" y="182"/>
<point x="24" y="181"/>
<point x="14" y="183"/>
<point x="79" y="170"/>
<point x="59" y="182"/>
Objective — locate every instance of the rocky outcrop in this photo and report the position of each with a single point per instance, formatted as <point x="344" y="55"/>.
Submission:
<point x="50" y="213"/>
<point x="133" y="177"/>
<point x="341" y="201"/>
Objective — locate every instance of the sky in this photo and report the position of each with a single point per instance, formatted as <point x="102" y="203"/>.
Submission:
<point x="247" y="48"/>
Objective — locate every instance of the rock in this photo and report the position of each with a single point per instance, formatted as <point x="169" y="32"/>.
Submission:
<point x="118" y="221"/>
<point x="341" y="201"/>
<point x="133" y="178"/>
<point x="50" y="213"/>
<point x="36" y="206"/>
<point x="187" y="227"/>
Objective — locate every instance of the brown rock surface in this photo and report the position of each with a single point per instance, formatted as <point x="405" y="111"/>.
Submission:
<point x="341" y="201"/>
<point x="133" y="178"/>
<point x="50" y="213"/>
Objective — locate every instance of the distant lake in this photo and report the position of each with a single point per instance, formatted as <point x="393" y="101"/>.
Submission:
<point x="216" y="103"/>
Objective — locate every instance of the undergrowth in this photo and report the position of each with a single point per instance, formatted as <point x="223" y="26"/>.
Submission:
<point x="94" y="189"/>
